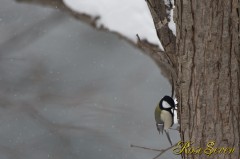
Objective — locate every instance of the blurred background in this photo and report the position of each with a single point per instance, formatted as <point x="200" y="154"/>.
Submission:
<point x="69" y="91"/>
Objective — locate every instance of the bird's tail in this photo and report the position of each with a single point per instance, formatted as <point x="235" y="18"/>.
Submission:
<point x="160" y="128"/>
<point x="167" y="134"/>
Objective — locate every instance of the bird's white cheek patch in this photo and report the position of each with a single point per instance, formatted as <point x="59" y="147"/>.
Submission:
<point x="165" y="105"/>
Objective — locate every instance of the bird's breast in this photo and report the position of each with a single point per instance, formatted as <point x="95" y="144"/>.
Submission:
<point x="167" y="119"/>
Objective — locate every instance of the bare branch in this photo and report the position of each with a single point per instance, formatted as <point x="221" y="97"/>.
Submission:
<point x="146" y="148"/>
<point x="160" y="58"/>
<point x="164" y="60"/>
<point x="162" y="151"/>
<point x="161" y="18"/>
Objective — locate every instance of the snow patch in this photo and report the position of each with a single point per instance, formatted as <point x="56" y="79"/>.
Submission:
<point x="125" y="17"/>
<point x="171" y="24"/>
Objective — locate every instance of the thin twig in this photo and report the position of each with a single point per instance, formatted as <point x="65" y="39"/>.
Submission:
<point x="161" y="151"/>
<point x="146" y="148"/>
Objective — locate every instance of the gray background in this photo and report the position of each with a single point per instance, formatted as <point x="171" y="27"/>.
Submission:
<point x="71" y="92"/>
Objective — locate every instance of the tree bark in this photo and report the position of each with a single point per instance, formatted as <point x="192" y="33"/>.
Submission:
<point x="206" y="60"/>
<point x="207" y="51"/>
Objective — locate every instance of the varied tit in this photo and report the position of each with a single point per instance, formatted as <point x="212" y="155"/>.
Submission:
<point x="164" y="115"/>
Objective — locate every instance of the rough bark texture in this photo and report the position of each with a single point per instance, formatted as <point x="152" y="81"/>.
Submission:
<point x="159" y="10"/>
<point x="208" y="73"/>
<point x="206" y="59"/>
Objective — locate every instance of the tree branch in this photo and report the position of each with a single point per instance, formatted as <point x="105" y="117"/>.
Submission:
<point x="162" y="151"/>
<point x="159" y="57"/>
<point x="161" y="18"/>
<point x="146" y="148"/>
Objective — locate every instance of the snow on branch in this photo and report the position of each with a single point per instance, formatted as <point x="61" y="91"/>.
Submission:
<point x="125" y="19"/>
<point x="163" y="20"/>
<point x="129" y="18"/>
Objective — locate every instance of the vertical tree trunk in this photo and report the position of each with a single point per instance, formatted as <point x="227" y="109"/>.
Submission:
<point x="208" y="84"/>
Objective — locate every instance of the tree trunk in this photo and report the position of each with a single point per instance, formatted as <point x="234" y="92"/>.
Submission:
<point x="206" y="63"/>
<point x="208" y="87"/>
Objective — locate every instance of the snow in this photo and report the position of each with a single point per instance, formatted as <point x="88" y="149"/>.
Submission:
<point x="175" y="112"/>
<point x="125" y="17"/>
<point x="171" y="24"/>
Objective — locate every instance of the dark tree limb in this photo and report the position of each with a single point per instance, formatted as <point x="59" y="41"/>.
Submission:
<point x="160" y="13"/>
<point x="161" y="18"/>
<point x="159" y="57"/>
<point x="162" y="59"/>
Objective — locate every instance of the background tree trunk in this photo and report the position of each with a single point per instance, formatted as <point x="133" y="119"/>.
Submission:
<point x="207" y="51"/>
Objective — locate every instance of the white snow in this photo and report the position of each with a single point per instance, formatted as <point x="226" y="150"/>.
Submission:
<point x="171" y="24"/>
<point x="127" y="17"/>
<point x="175" y="112"/>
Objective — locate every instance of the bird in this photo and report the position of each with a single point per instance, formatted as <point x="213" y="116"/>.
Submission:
<point x="164" y="115"/>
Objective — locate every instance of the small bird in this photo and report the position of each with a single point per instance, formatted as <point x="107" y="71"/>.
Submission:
<point x="164" y="115"/>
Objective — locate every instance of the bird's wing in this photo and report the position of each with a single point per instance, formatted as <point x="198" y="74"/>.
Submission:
<point x="168" y="137"/>
<point x="159" y="121"/>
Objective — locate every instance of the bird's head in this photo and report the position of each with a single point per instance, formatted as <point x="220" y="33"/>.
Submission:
<point x="166" y="103"/>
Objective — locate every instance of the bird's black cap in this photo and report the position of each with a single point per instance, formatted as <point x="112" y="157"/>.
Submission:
<point x="169" y="100"/>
